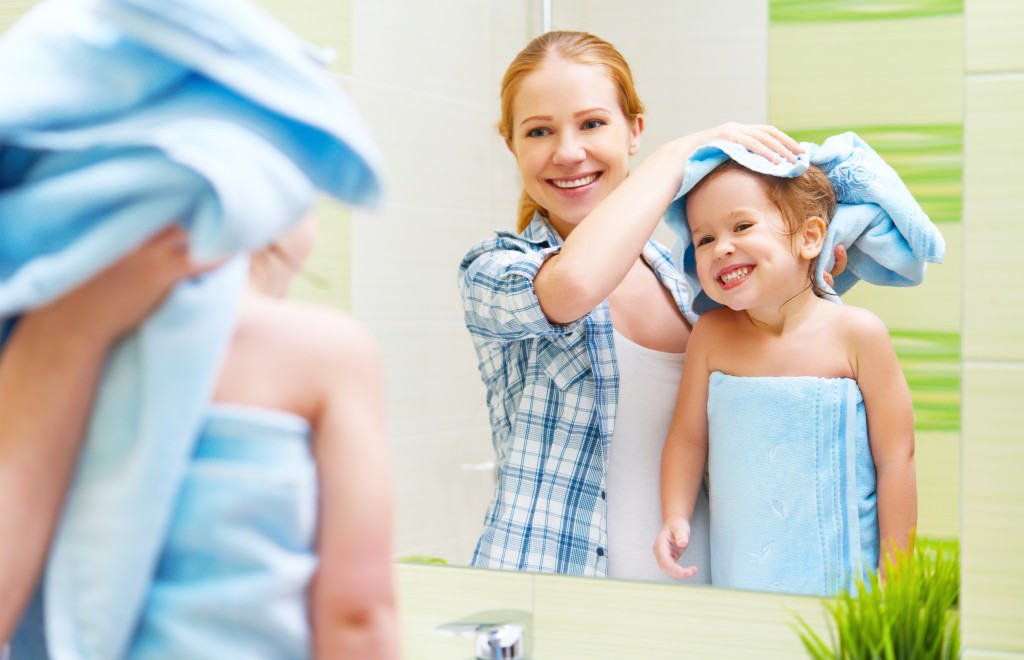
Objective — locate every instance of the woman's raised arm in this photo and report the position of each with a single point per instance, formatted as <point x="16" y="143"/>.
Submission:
<point x="599" y="252"/>
<point x="49" y="370"/>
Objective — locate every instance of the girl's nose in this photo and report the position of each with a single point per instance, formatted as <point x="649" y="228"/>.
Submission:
<point x="723" y="247"/>
<point x="569" y="149"/>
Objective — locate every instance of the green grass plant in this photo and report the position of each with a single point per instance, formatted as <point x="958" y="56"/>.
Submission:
<point x="912" y="616"/>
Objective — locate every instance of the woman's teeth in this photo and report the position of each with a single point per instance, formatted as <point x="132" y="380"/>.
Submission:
<point x="574" y="183"/>
<point x="734" y="275"/>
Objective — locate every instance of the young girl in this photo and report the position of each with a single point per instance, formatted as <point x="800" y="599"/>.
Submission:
<point x="287" y="498"/>
<point x="192" y="467"/>
<point x="796" y="403"/>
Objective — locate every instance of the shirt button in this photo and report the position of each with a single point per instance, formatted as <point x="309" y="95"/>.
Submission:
<point x="603" y="495"/>
<point x="600" y="552"/>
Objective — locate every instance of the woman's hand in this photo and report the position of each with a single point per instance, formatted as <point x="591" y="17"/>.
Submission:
<point x="672" y="541"/>
<point x="49" y="369"/>
<point x="838" y="268"/>
<point x="762" y="139"/>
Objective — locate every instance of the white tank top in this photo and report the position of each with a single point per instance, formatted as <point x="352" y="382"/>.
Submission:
<point x="648" y="384"/>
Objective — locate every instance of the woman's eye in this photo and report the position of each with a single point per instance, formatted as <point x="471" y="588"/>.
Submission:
<point x="537" y="132"/>
<point x="591" y="124"/>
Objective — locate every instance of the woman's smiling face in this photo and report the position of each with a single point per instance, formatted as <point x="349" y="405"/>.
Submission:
<point x="570" y="138"/>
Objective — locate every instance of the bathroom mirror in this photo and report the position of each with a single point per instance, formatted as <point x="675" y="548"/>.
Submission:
<point x="427" y="79"/>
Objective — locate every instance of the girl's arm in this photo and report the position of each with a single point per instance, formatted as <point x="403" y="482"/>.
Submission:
<point x="890" y="418"/>
<point x="49" y="369"/>
<point x="352" y="599"/>
<point x="684" y="456"/>
<point x="598" y="253"/>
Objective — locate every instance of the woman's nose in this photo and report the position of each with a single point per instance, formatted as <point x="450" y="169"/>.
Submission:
<point x="569" y="150"/>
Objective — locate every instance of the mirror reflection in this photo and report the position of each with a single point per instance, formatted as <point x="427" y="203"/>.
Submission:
<point x="454" y="181"/>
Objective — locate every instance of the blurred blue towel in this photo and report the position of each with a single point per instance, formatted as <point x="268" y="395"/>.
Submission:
<point x="118" y="118"/>
<point x="888" y="238"/>
<point x="792" y="484"/>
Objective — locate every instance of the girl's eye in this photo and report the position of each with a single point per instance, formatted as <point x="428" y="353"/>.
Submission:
<point x="537" y="132"/>
<point x="591" y="124"/>
<point x="744" y="225"/>
<point x="703" y="240"/>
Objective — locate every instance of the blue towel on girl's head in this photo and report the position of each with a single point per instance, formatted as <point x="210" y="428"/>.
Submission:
<point x="888" y="237"/>
<point x="121" y="116"/>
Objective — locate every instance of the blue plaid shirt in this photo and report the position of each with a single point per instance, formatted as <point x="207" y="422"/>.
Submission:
<point x="551" y="394"/>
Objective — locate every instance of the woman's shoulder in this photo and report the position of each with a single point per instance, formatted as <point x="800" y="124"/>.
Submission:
<point x="505" y="240"/>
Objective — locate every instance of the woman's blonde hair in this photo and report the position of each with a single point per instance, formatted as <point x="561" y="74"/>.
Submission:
<point x="579" y="47"/>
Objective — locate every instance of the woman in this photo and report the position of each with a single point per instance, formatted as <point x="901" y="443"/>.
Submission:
<point x="581" y="321"/>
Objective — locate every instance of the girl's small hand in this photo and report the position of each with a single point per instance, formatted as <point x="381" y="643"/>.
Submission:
<point x="762" y="139"/>
<point x="669" y="547"/>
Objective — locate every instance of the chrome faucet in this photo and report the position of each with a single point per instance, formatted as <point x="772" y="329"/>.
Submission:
<point x="500" y="634"/>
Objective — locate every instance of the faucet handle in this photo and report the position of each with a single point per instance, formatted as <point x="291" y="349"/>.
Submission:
<point x="500" y="634"/>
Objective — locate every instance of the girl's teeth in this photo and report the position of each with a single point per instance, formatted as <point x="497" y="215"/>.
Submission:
<point x="734" y="275"/>
<point x="574" y="183"/>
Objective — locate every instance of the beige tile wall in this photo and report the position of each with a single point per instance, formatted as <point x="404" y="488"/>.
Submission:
<point x="993" y="374"/>
<point x="425" y="75"/>
<point x="601" y="619"/>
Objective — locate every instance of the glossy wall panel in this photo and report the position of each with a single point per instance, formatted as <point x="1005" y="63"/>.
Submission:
<point x="993" y="493"/>
<point x="426" y="76"/>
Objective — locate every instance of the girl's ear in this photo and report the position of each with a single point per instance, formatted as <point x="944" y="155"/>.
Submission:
<point x="811" y="238"/>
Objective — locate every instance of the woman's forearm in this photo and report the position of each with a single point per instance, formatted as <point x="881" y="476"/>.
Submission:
<point x="599" y="252"/>
<point x="48" y="379"/>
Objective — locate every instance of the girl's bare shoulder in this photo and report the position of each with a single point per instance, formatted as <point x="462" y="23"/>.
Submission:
<point x="858" y="320"/>
<point x="293" y="356"/>
<point x="304" y="328"/>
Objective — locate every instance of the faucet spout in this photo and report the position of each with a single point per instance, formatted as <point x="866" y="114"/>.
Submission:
<point x="499" y="634"/>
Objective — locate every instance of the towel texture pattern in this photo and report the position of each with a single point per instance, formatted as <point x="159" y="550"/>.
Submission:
<point x="792" y="484"/>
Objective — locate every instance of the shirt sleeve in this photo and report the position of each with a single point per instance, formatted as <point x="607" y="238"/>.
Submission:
<point x="496" y="281"/>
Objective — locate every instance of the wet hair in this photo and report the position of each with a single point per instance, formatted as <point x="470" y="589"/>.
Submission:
<point x="579" y="47"/>
<point x="797" y="198"/>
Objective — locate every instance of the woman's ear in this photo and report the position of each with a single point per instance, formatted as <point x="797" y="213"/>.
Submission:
<point x="634" y="135"/>
<point x="811" y="238"/>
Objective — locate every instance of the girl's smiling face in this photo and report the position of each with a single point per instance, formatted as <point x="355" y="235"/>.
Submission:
<point x="570" y="138"/>
<point x="744" y="254"/>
